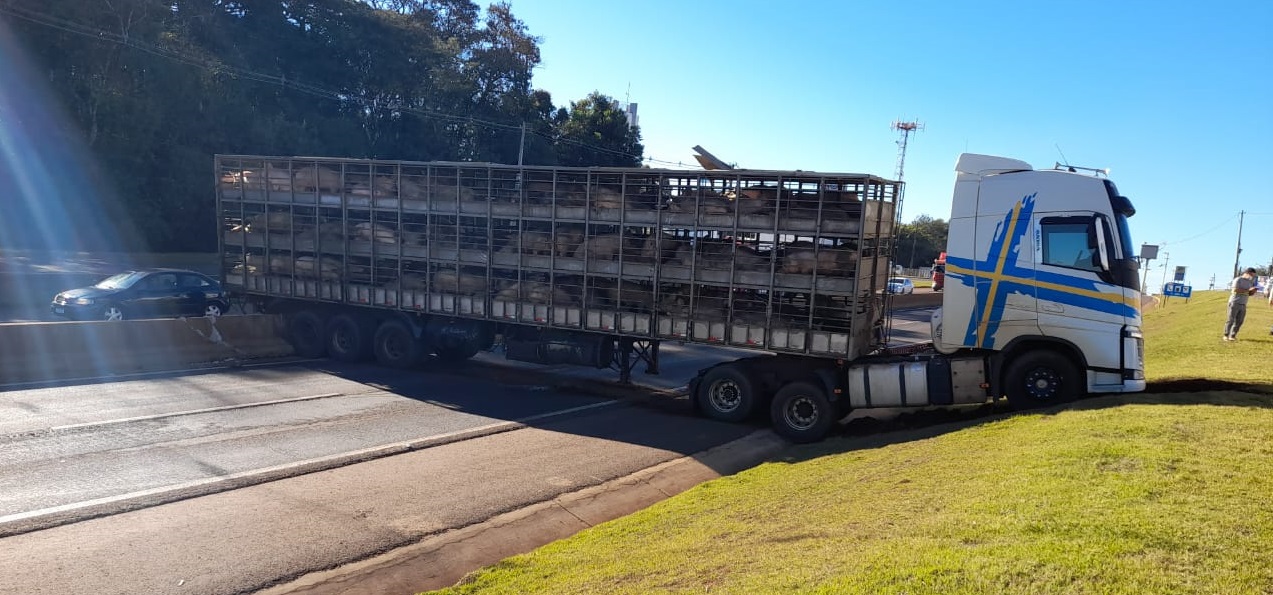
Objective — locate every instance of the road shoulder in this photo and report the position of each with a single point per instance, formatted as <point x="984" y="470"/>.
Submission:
<point x="444" y="559"/>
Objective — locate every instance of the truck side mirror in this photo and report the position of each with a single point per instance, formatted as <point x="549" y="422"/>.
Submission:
<point x="1102" y="250"/>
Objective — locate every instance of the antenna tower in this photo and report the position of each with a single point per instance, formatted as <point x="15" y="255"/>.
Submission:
<point x="906" y="128"/>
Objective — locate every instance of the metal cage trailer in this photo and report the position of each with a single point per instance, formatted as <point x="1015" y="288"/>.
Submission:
<point x="593" y="266"/>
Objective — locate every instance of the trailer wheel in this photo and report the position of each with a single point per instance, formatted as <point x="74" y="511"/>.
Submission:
<point x="1041" y="378"/>
<point x="727" y="393"/>
<point x="348" y="339"/>
<point x="801" y="412"/>
<point x="306" y="332"/>
<point x="395" y="345"/>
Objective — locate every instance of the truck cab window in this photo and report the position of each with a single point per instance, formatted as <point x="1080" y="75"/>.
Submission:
<point x="1067" y="243"/>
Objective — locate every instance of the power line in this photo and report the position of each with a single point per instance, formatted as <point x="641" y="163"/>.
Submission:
<point x="313" y="90"/>
<point x="1194" y="237"/>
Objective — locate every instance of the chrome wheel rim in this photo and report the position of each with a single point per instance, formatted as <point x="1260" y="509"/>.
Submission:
<point x="800" y="413"/>
<point x="725" y="395"/>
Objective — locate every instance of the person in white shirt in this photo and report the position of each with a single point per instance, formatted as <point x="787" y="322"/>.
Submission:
<point x="1240" y="289"/>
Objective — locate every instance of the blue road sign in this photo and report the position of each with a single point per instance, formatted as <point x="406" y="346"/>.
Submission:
<point x="1177" y="290"/>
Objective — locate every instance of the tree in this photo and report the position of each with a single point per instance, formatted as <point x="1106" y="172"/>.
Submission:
<point x="921" y="241"/>
<point x="152" y="89"/>
<point x="595" y="132"/>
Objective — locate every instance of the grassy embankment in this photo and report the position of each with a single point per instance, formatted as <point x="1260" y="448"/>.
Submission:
<point x="1148" y="493"/>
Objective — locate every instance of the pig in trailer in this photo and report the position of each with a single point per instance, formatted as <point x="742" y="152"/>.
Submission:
<point x="395" y="260"/>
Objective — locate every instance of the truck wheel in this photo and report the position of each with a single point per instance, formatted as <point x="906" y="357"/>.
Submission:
<point x="1041" y="378"/>
<point x="801" y="412"/>
<point x="348" y="339"/>
<point x="395" y="346"/>
<point x="305" y="330"/>
<point x="727" y="393"/>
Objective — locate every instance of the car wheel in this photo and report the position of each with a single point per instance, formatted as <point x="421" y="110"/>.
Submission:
<point x="113" y="312"/>
<point x="727" y="393"/>
<point x="214" y="310"/>
<point x="1041" y="378"/>
<point x="801" y="413"/>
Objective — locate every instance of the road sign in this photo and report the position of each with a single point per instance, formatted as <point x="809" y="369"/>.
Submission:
<point x="1177" y="290"/>
<point x="1180" y="274"/>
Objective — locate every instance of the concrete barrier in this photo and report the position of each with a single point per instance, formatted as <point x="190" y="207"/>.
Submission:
<point x="31" y="352"/>
<point x="930" y="299"/>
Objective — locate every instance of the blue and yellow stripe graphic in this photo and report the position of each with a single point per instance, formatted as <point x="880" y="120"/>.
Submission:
<point x="998" y="276"/>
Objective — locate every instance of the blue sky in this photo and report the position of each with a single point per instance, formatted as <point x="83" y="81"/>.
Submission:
<point x="1175" y="98"/>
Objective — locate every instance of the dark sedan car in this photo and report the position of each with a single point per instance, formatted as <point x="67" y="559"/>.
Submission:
<point x="151" y="293"/>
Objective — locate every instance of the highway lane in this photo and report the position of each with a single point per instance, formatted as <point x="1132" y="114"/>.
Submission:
<point x="245" y="539"/>
<point x="76" y="449"/>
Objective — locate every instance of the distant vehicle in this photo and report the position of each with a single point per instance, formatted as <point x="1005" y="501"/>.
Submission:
<point x="149" y="293"/>
<point x="939" y="273"/>
<point x="901" y="285"/>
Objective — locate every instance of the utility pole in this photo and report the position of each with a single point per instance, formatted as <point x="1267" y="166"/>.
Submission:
<point x="1237" y="258"/>
<point x="1166" y="258"/>
<point x="521" y="146"/>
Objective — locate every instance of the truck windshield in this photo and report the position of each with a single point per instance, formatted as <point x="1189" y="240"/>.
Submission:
<point x="1124" y="235"/>
<point x="1123" y="209"/>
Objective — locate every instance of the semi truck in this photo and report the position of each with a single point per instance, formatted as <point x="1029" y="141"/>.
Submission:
<point x="397" y="261"/>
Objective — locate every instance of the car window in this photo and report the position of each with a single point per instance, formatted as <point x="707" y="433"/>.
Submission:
<point x="191" y="281"/>
<point x="120" y="281"/>
<point x="161" y="281"/>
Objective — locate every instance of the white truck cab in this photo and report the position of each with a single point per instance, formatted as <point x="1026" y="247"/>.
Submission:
<point x="1041" y="274"/>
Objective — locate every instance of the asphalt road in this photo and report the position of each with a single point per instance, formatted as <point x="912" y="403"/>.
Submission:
<point x="88" y="453"/>
<point x="232" y="481"/>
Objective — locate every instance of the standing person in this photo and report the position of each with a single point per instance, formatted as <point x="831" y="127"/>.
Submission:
<point x="1241" y="288"/>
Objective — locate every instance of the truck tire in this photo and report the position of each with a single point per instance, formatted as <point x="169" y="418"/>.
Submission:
<point x="1041" y="378"/>
<point x="727" y="393"/>
<point x="395" y="346"/>
<point x="801" y="412"/>
<point x="307" y="334"/>
<point x="348" y="338"/>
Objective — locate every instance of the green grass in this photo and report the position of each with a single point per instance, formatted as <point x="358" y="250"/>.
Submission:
<point x="1183" y="342"/>
<point x="1150" y="493"/>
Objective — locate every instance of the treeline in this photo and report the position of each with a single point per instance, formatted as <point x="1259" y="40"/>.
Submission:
<point x="921" y="241"/>
<point x="148" y="90"/>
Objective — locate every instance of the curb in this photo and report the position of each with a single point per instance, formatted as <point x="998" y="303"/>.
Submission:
<point x="442" y="559"/>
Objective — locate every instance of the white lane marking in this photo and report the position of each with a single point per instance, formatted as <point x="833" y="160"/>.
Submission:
<point x="317" y="464"/>
<point x="93" y="424"/>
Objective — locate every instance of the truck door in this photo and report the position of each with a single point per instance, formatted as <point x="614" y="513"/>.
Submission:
<point x="1076" y="297"/>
